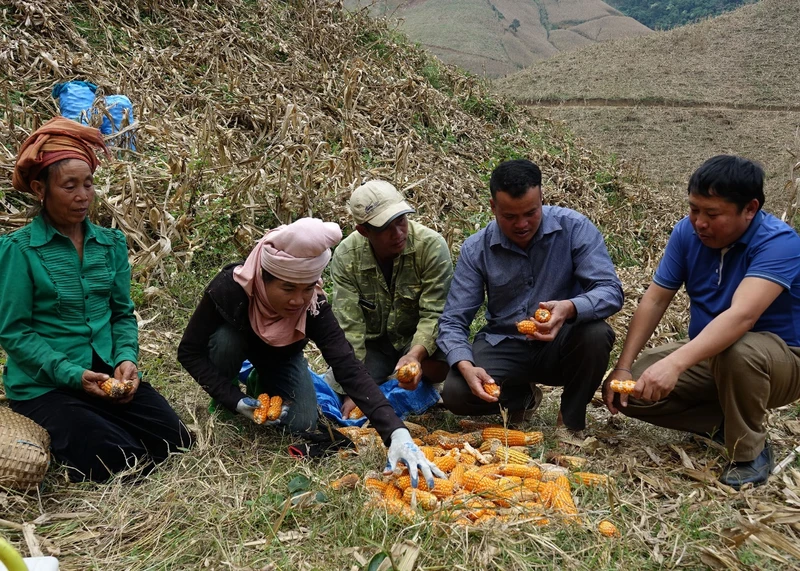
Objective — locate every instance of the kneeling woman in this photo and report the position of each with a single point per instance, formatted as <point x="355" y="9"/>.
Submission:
<point x="66" y="317"/>
<point x="266" y="310"/>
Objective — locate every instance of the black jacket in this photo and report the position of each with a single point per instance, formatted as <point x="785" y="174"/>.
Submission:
<point x="225" y="301"/>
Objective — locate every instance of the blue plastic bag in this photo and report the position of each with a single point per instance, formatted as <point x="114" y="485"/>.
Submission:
<point x="75" y="100"/>
<point x="121" y="110"/>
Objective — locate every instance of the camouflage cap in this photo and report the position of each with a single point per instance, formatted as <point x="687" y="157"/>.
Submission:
<point x="377" y="203"/>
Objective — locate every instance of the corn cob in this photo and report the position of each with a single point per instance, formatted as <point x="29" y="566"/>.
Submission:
<point x="492" y="389"/>
<point x="425" y="500"/>
<point x="527" y="327"/>
<point x="406" y="373"/>
<point x="416" y="430"/>
<point x="520" y="470"/>
<point x="524" y="496"/>
<point x="404" y="482"/>
<point x="623" y="387"/>
<point x="474" y="481"/>
<point x="429" y="452"/>
<point x="274" y="408"/>
<point x="260" y="414"/>
<point x="116" y="388"/>
<point x="551" y="472"/>
<point x="505" y="455"/>
<point x="589" y="479"/>
<point x="563" y="483"/>
<point x="512" y="437"/>
<point x="608" y="529"/>
<point x="375" y="485"/>
<point x="546" y="492"/>
<point x="445" y="463"/>
<point x="467" y="458"/>
<point x="355" y="413"/>
<point x="487" y="470"/>
<point x="571" y="462"/>
<point x="347" y="482"/>
<point x="532" y="484"/>
<point x="399" y="508"/>
<point x="490" y="446"/>
<point x="457" y="475"/>
<point x="442" y="488"/>
<point x="542" y="315"/>
<point x="562" y="502"/>
<point x="448" y="440"/>
<point x="418" y="441"/>
<point x="392" y="492"/>
<point x="469" y="425"/>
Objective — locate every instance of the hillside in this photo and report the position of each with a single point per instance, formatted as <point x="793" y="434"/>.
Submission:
<point x="497" y="37"/>
<point x="673" y="98"/>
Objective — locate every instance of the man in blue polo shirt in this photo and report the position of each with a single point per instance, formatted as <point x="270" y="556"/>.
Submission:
<point x="741" y="270"/>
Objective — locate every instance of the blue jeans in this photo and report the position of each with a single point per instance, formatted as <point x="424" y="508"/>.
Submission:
<point x="288" y="378"/>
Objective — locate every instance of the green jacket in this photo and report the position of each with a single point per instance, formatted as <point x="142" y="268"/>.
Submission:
<point x="367" y="309"/>
<point x="55" y="309"/>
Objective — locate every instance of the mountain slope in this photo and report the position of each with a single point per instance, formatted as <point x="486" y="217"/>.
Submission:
<point x="496" y="37"/>
<point x="671" y="99"/>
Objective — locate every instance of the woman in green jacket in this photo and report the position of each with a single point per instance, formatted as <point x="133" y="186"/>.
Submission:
<point x="66" y="318"/>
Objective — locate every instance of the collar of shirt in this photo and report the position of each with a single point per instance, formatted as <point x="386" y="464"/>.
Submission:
<point x="369" y="262"/>
<point x="548" y="225"/>
<point x="42" y="233"/>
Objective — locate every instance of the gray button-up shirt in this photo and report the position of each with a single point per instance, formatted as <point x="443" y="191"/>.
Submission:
<point x="566" y="259"/>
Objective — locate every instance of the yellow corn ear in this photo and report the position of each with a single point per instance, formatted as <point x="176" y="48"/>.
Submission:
<point x="260" y="414"/>
<point x="492" y="389"/>
<point x="418" y="441"/>
<point x="274" y="408"/>
<point x="442" y="488"/>
<point x="546" y="492"/>
<point x="457" y="475"/>
<point x="491" y="445"/>
<point x="533" y="484"/>
<point x="520" y="470"/>
<point x="116" y="388"/>
<point x="474" y="481"/>
<point x="399" y="508"/>
<point x="563" y="483"/>
<point x="404" y="482"/>
<point x="562" y="501"/>
<point x="623" y="387"/>
<point x="406" y="373"/>
<point x="512" y="437"/>
<point x="542" y="315"/>
<point x="392" y="492"/>
<point x="505" y="455"/>
<point x="355" y="413"/>
<point x="429" y="452"/>
<point x="347" y="482"/>
<point x="445" y="463"/>
<point x="425" y="500"/>
<point x="608" y="529"/>
<point x="467" y="458"/>
<point x="527" y="327"/>
<point x="375" y="485"/>
<point x="589" y="479"/>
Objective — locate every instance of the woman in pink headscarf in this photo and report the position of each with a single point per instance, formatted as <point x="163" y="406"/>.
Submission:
<point x="266" y="310"/>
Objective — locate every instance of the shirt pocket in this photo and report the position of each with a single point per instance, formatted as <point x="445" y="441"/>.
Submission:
<point x="503" y="290"/>
<point x="371" y="309"/>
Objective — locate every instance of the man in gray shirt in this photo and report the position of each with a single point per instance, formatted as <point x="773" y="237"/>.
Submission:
<point x="530" y="257"/>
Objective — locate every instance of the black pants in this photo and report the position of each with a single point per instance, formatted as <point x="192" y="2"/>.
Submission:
<point x="96" y="438"/>
<point x="576" y="360"/>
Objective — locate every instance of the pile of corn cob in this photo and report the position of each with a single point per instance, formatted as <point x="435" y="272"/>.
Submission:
<point x="490" y="478"/>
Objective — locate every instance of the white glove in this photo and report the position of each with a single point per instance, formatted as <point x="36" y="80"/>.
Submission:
<point x="402" y="448"/>
<point x="248" y="405"/>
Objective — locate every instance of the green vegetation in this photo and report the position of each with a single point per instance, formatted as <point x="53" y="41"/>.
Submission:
<point x="666" y="14"/>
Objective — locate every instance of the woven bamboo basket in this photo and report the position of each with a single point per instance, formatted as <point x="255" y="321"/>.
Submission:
<point x="24" y="451"/>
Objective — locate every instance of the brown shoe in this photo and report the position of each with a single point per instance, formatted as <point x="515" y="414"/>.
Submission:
<point x="524" y="415"/>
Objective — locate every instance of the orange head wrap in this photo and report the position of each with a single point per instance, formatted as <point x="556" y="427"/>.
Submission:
<point x="56" y="140"/>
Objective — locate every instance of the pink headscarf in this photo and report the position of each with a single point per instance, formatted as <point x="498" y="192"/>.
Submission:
<point x="296" y="253"/>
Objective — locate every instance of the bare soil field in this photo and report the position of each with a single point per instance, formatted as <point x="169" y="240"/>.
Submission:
<point x="670" y="100"/>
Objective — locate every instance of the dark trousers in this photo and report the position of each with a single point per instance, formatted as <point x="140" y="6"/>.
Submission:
<point x="576" y="360"/>
<point x="96" y="438"/>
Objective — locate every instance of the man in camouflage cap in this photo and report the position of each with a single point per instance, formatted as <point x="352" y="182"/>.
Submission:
<point x="390" y="283"/>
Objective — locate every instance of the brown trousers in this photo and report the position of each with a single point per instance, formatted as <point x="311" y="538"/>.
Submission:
<point x="732" y="391"/>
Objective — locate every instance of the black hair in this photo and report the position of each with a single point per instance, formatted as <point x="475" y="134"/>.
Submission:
<point x="732" y="178"/>
<point x="515" y="178"/>
<point x="266" y="276"/>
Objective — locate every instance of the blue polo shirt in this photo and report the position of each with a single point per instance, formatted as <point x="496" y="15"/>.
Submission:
<point x="769" y="249"/>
